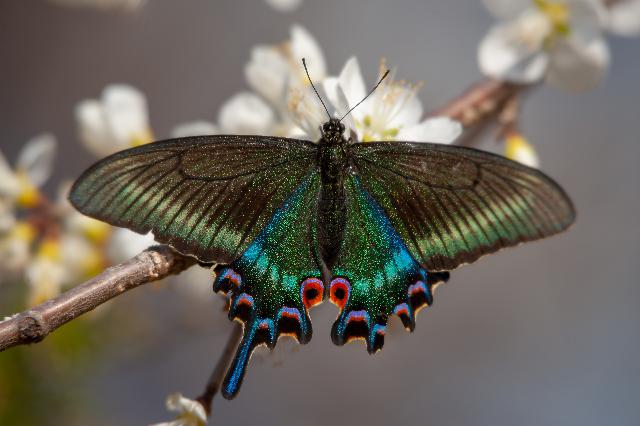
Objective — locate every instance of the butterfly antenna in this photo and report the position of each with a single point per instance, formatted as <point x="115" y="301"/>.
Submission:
<point x="368" y="94"/>
<point x="304" y="63"/>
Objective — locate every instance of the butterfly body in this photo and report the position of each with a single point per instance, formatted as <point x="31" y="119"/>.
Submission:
<point x="371" y="227"/>
<point x="333" y="165"/>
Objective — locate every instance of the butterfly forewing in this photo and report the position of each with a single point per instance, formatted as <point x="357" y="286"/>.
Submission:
<point x="206" y="196"/>
<point x="452" y="204"/>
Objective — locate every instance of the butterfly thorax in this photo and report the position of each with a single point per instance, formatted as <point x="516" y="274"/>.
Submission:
<point x="333" y="161"/>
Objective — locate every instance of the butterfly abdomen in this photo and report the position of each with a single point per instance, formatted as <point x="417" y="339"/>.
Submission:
<point x="333" y="162"/>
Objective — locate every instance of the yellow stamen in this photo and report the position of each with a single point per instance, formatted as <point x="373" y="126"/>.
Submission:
<point x="29" y="196"/>
<point x="96" y="231"/>
<point x="24" y="231"/>
<point x="518" y="148"/>
<point x="142" y="138"/>
<point x="390" y="133"/>
<point x="49" y="249"/>
<point x="557" y="13"/>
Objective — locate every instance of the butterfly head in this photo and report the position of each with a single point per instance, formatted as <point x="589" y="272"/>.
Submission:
<point x="332" y="132"/>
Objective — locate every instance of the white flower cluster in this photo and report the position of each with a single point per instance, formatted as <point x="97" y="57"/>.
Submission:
<point x="283" y="103"/>
<point x="561" y="41"/>
<point x="558" y="41"/>
<point x="47" y="244"/>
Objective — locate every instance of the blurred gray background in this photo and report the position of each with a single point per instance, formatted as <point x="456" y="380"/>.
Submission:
<point x="546" y="333"/>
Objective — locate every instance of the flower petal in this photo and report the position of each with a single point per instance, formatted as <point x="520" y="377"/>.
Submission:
<point x="586" y="19"/>
<point x="351" y="82"/>
<point x="92" y="128"/>
<point x="246" y="114"/>
<point x="36" y="158"/>
<point x="268" y="73"/>
<point x="118" y="120"/>
<point x="306" y="112"/>
<point x="303" y="45"/>
<point x="435" y="130"/>
<point x="7" y="221"/>
<point x="578" y="66"/>
<point x="410" y="109"/>
<point x="195" y="128"/>
<point x="623" y="18"/>
<point x="125" y="112"/>
<point x="190" y="412"/>
<point x="9" y="183"/>
<point x="507" y="9"/>
<point x="502" y="55"/>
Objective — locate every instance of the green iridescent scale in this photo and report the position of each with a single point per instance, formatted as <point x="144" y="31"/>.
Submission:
<point x="375" y="276"/>
<point x="275" y="281"/>
<point x="205" y="196"/>
<point x="452" y="205"/>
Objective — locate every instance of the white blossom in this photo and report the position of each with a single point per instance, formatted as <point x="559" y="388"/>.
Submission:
<point x="391" y="112"/>
<point x="195" y="128"/>
<point x="246" y="114"/>
<point x="190" y="412"/>
<point x="622" y="17"/>
<point x="45" y="272"/>
<point x="272" y="70"/>
<point x="15" y="248"/>
<point x="276" y="73"/>
<point x="19" y="185"/>
<point x="118" y="120"/>
<point x="560" y="40"/>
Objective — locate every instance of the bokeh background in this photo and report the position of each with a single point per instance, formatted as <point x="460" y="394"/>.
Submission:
<point x="546" y="333"/>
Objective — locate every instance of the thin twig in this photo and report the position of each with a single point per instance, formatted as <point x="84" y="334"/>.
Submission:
<point x="37" y="323"/>
<point x="217" y="376"/>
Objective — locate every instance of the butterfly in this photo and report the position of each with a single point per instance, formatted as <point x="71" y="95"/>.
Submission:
<point x="373" y="227"/>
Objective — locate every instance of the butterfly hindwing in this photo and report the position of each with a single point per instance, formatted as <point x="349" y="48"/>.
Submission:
<point x="452" y="204"/>
<point x="276" y="280"/>
<point x="375" y="275"/>
<point x="207" y="196"/>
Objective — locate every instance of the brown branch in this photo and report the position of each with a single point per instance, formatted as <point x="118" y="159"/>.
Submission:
<point x="489" y="102"/>
<point x="480" y="103"/>
<point x="37" y="323"/>
<point x="217" y="376"/>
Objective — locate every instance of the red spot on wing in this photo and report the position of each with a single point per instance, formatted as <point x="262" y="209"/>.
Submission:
<point x="312" y="291"/>
<point x="339" y="292"/>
